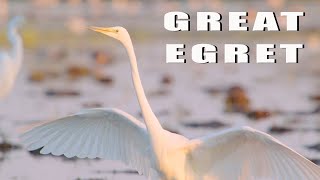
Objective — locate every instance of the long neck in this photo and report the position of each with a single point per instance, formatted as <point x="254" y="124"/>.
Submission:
<point x="17" y="47"/>
<point x="152" y="123"/>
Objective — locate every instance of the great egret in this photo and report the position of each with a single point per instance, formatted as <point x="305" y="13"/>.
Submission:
<point x="10" y="62"/>
<point x="240" y="153"/>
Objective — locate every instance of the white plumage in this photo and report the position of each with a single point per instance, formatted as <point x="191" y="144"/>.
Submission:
<point x="241" y="153"/>
<point x="94" y="133"/>
<point x="249" y="154"/>
<point x="10" y="62"/>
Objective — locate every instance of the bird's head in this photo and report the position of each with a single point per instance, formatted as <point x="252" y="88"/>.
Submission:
<point x="116" y="32"/>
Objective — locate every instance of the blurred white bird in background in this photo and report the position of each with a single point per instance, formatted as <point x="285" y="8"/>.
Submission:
<point x="241" y="153"/>
<point x="10" y="62"/>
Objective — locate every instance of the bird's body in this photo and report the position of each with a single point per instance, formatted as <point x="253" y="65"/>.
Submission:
<point x="10" y="62"/>
<point x="241" y="153"/>
<point x="171" y="159"/>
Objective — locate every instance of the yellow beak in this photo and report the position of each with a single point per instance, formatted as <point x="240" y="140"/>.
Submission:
<point x="103" y="29"/>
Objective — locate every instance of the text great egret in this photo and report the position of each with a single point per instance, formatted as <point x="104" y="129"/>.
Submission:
<point x="10" y="62"/>
<point x="241" y="153"/>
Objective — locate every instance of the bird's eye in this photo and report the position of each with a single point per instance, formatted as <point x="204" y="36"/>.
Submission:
<point x="117" y="30"/>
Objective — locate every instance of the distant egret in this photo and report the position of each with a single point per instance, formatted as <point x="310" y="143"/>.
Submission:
<point x="240" y="153"/>
<point x="10" y="62"/>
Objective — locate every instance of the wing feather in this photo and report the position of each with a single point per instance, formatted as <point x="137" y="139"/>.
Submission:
<point x="94" y="133"/>
<point x="247" y="154"/>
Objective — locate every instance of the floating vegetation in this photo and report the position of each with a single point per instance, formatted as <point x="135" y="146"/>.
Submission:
<point x="316" y="110"/>
<point x="37" y="76"/>
<point x="213" y="91"/>
<point x="6" y="147"/>
<point x="90" y="179"/>
<point x="208" y="124"/>
<point x="92" y="105"/>
<point x="106" y="79"/>
<point x="237" y="100"/>
<point x="315" y="147"/>
<point x="62" y="92"/>
<point x="77" y="71"/>
<point x="259" y="114"/>
<point x="279" y="130"/>
<point x="159" y="92"/>
<point x="43" y="75"/>
<point x="166" y="79"/>
<point x="315" y="98"/>
<point x="128" y="171"/>
<point x="102" y="57"/>
<point x="159" y="113"/>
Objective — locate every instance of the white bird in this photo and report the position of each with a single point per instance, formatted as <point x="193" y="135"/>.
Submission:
<point x="10" y="62"/>
<point x="241" y="153"/>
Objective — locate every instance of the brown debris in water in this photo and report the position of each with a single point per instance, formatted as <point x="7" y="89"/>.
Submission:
<point x="316" y="110"/>
<point x="159" y="113"/>
<point x="104" y="79"/>
<point x="213" y="91"/>
<point x="102" y="58"/>
<point x="128" y="171"/>
<point x="259" y="114"/>
<point x="237" y="100"/>
<point x="279" y="130"/>
<point x="315" y="98"/>
<point x="167" y="79"/>
<point x="91" y="105"/>
<point x="37" y="76"/>
<point x="42" y="75"/>
<point x="62" y="92"/>
<point x="76" y="71"/>
<point x="6" y="147"/>
<point x="315" y="147"/>
<point x="209" y="124"/>
<point x="159" y="92"/>
<point x="58" y="54"/>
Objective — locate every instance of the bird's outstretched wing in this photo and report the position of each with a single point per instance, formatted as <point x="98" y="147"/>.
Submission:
<point x="247" y="154"/>
<point x="94" y="133"/>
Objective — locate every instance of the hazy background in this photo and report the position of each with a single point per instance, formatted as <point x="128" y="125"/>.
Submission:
<point x="67" y="68"/>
